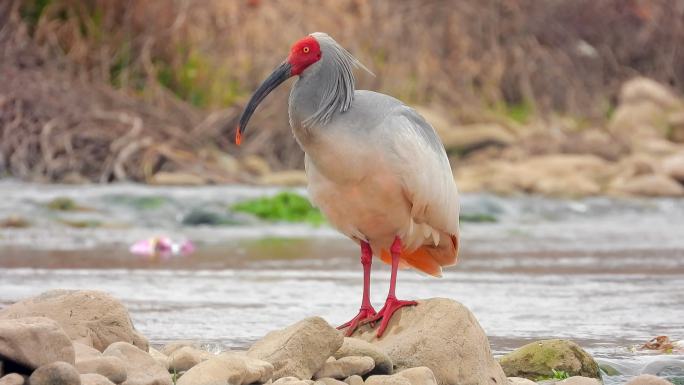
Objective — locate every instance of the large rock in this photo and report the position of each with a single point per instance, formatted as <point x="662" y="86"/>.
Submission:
<point x="345" y="367"/>
<point x="13" y="379"/>
<point x="300" y="349"/>
<point x="113" y="368"/>
<point x="643" y="109"/>
<point x="648" y="379"/>
<point x="357" y="347"/>
<point x="228" y="368"/>
<point x="565" y="175"/>
<point x="34" y="341"/>
<point x="141" y="368"/>
<point x="56" y="373"/>
<point x="644" y="90"/>
<point x="440" y="334"/>
<point x="539" y="359"/>
<point x="652" y="185"/>
<point x="470" y="137"/>
<point x="91" y="317"/>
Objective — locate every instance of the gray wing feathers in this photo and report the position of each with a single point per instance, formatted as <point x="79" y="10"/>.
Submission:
<point x="424" y="168"/>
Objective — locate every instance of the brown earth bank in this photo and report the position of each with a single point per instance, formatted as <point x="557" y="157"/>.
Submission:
<point x="86" y="337"/>
<point x="587" y="108"/>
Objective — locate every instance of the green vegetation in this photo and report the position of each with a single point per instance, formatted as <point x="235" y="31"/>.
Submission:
<point x="31" y="11"/>
<point x="560" y="374"/>
<point x="62" y="204"/>
<point x="151" y="202"/>
<point x="557" y="375"/>
<point x="175" y="376"/>
<point x="478" y="218"/>
<point x="198" y="81"/>
<point x="520" y="112"/>
<point x="285" y="206"/>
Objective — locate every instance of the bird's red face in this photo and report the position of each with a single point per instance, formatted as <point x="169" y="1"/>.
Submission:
<point x="304" y="53"/>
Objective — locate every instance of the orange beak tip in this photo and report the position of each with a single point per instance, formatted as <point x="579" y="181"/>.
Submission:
<point x="238" y="136"/>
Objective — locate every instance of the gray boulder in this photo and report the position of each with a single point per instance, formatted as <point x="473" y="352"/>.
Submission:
<point x="91" y="317"/>
<point x="141" y="368"/>
<point x="34" y="341"/>
<point x="300" y="349"/>
<point x="540" y="358"/>
<point x="442" y="335"/>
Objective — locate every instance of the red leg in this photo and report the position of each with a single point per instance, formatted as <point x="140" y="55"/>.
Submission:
<point x="392" y="304"/>
<point x="366" y="310"/>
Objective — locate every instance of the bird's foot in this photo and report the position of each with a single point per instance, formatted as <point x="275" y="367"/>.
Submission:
<point x="365" y="313"/>
<point x="392" y="304"/>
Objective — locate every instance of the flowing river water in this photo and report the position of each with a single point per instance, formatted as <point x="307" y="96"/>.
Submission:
<point x="606" y="273"/>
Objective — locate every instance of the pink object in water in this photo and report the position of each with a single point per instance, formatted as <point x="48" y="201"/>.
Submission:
<point x="162" y="247"/>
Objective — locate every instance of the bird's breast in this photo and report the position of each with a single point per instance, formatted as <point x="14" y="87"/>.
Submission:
<point x="358" y="193"/>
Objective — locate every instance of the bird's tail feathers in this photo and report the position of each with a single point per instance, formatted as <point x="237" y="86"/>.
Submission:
<point x="428" y="258"/>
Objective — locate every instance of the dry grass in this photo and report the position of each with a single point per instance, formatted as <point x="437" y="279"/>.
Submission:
<point x="473" y="61"/>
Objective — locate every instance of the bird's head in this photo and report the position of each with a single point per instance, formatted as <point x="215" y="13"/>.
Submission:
<point x="303" y="54"/>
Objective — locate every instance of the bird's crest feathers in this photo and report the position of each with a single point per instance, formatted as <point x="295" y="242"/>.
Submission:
<point x="339" y="93"/>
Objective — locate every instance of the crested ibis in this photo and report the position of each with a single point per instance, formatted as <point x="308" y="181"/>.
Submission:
<point x="375" y="167"/>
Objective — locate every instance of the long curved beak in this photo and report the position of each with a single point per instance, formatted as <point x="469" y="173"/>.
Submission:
<point x="279" y="75"/>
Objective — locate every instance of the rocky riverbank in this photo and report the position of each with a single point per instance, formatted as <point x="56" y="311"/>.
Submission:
<point x="87" y="338"/>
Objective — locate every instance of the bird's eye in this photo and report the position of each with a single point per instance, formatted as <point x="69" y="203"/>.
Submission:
<point x="305" y="49"/>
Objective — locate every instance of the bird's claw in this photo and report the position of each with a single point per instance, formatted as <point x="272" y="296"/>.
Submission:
<point x="365" y="313"/>
<point x="385" y="314"/>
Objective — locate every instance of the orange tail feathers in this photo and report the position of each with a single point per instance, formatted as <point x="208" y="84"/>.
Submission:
<point x="427" y="258"/>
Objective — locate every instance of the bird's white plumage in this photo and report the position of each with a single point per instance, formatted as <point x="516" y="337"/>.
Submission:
<point x="426" y="177"/>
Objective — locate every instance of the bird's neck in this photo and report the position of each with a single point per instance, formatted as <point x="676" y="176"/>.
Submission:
<point x="317" y="97"/>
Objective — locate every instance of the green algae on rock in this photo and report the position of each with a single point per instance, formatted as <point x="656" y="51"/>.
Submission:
<point x="541" y="358"/>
